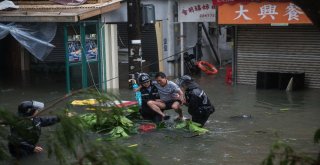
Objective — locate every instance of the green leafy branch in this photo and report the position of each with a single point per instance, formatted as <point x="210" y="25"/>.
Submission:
<point x="192" y="127"/>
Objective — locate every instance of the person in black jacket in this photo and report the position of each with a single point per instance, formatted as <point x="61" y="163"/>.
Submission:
<point x="26" y="132"/>
<point x="149" y="93"/>
<point x="199" y="105"/>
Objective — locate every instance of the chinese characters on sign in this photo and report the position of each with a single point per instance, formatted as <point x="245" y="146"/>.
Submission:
<point x="241" y="13"/>
<point x="262" y="13"/>
<point x="268" y="10"/>
<point x="196" y="11"/>
<point x="293" y="12"/>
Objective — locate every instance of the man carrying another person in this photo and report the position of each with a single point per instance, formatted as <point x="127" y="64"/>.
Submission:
<point x="171" y="96"/>
<point x="149" y="93"/>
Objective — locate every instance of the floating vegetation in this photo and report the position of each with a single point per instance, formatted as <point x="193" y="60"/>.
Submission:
<point x="192" y="127"/>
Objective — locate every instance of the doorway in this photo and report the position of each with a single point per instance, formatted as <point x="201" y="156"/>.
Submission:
<point x="82" y="56"/>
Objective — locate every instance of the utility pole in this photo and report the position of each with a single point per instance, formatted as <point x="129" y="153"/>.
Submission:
<point x="134" y="37"/>
<point x="199" y="43"/>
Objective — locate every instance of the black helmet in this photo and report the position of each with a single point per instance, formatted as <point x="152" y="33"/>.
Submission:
<point x="183" y="79"/>
<point x="28" y="108"/>
<point x="143" y="78"/>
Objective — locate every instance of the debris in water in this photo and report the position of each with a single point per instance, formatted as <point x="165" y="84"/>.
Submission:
<point x="244" y="116"/>
<point x="147" y="127"/>
<point x="260" y="132"/>
<point x="284" y="109"/>
<point x="227" y="156"/>
<point x="7" y="90"/>
<point x="176" y="159"/>
<point x="133" y="145"/>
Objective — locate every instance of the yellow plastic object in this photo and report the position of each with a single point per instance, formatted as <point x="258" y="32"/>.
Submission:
<point x="85" y="102"/>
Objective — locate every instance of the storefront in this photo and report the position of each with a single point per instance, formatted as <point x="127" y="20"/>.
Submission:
<point x="79" y="42"/>
<point x="272" y="37"/>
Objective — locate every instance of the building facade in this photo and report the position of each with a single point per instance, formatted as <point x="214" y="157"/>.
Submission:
<point x="273" y="37"/>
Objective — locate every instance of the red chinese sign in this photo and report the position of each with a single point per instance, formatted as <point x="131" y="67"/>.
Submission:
<point x="262" y="13"/>
<point x="221" y="2"/>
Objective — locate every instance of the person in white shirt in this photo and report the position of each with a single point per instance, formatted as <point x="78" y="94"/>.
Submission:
<point x="171" y="96"/>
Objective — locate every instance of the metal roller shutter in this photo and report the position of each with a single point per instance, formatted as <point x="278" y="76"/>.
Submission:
<point x="278" y="49"/>
<point x="58" y="53"/>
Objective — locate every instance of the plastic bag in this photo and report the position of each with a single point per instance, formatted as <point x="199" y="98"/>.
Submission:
<point x="35" y="37"/>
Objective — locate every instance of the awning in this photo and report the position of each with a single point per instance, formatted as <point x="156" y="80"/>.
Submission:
<point x="57" y="13"/>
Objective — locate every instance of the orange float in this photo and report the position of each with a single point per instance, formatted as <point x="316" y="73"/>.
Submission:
<point x="207" y="68"/>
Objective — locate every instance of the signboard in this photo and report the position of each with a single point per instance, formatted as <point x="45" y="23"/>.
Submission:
<point x="221" y="2"/>
<point x="262" y="13"/>
<point x="91" y="47"/>
<point x="196" y="11"/>
<point x="74" y="48"/>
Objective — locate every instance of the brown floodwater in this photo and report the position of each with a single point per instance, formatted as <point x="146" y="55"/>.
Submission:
<point x="242" y="129"/>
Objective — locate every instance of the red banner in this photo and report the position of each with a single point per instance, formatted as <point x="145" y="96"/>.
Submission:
<point x="221" y="2"/>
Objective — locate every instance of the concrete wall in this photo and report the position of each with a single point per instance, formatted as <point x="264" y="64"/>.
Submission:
<point x="120" y="15"/>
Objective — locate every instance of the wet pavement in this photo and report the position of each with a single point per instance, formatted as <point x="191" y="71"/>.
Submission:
<point x="243" y="127"/>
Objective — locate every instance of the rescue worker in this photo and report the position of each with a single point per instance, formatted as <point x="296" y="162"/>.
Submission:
<point x="149" y="93"/>
<point x="199" y="105"/>
<point x="26" y="132"/>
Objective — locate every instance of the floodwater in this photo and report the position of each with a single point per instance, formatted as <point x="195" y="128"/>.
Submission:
<point x="242" y="129"/>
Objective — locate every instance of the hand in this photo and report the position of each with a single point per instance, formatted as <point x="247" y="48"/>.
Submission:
<point x="71" y="114"/>
<point x="166" y="117"/>
<point x="37" y="149"/>
<point x="183" y="101"/>
<point x="137" y="89"/>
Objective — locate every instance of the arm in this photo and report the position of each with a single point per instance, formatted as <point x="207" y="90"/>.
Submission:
<point x="179" y="92"/>
<point x="47" y="121"/>
<point x="181" y="96"/>
<point x="26" y="146"/>
<point x="193" y="104"/>
<point x="30" y="147"/>
<point x="137" y="89"/>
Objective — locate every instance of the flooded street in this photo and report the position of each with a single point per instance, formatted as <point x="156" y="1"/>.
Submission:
<point x="242" y="129"/>
<point x="245" y="124"/>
